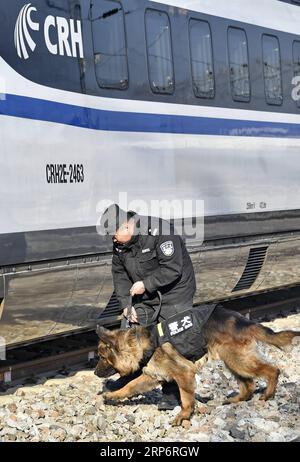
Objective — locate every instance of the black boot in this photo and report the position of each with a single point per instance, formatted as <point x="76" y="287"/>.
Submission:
<point x="114" y="385"/>
<point x="170" y="398"/>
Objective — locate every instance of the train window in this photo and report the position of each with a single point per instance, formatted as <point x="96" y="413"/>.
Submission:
<point x="239" y="64"/>
<point x="272" y="69"/>
<point x="296" y="58"/>
<point x="296" y="63"/>
<point x="159" y="52"/>
<point x="202" y="59"/>
<point x="110" y="50"/>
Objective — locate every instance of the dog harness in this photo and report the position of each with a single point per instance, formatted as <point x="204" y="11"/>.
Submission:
<point x="184" y="331"/>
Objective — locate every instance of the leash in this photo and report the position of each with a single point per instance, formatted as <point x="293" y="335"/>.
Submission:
<point x="157" y="311"/>
<point x="125" y="323"/>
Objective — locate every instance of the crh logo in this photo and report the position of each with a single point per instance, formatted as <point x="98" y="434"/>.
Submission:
<point x="23" y="39"/>
<point x="62" y="36"/>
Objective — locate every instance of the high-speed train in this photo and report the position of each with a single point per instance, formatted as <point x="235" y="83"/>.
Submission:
<point x="181" y="99"/>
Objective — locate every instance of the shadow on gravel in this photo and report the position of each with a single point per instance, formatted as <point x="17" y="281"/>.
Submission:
<point x="151" y="397"/>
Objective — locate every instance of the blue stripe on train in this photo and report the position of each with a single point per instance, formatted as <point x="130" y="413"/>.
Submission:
<point x="96" y="119"/>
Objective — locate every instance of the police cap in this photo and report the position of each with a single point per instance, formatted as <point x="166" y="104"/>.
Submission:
<point x="112" y="218"/>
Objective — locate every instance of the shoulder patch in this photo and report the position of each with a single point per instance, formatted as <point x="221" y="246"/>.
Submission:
<point x="167" y="248"/>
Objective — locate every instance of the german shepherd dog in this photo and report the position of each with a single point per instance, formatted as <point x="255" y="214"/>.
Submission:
<point x="229" y="337"/>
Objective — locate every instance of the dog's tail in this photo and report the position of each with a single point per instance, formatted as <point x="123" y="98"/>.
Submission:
<point x="277" y="339"/>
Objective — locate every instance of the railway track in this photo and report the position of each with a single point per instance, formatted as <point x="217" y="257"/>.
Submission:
<point x="23" y="365"/>
<point x="268" y="305"/>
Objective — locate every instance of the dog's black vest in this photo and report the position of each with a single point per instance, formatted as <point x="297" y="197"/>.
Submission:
<point x="184" y="331"/>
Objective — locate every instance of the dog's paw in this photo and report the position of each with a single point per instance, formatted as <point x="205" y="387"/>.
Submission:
<point x="177" y="421"/>
<point x="232" y="398"/>
<point x="266" y="397"/>
<point x="181" y="421"/>
<point x="229" y="401"/>
<point x="108" y="396"/>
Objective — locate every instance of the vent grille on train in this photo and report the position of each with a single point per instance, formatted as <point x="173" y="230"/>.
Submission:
<point x="255" y="263"/>
<point x="112" y="309"/>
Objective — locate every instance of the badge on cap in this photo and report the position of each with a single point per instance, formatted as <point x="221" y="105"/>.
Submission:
<point x="167" y="248"/>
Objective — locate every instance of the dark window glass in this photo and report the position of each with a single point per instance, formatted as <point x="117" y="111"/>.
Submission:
<point x="159" y="51"/>
<point x="296" y="70"/>
<point x="202" y="59"/>
<point x="272" y="69"/>
<point x="296" y="58"/>
<point x="239" y="64"/>
<point x="110" y="53"/>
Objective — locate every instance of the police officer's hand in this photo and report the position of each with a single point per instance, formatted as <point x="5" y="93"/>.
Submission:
<point x="133" y="317"/>
<point x="138" y="288"/>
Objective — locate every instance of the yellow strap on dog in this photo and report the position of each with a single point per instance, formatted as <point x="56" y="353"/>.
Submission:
<point x="160" y="330"/>
<point x="1" y="308"/>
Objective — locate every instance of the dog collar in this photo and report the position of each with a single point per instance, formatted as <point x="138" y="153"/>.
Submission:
<point x="146" y="357"/>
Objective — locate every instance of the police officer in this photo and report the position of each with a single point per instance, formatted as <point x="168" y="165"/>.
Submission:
<point x="149" y="257"/>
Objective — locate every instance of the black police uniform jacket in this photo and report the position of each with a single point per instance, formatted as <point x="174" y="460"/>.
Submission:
<point x="159" y="258"/>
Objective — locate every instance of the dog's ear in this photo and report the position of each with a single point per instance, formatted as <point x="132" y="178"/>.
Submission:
<point x="105" y="335"/>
